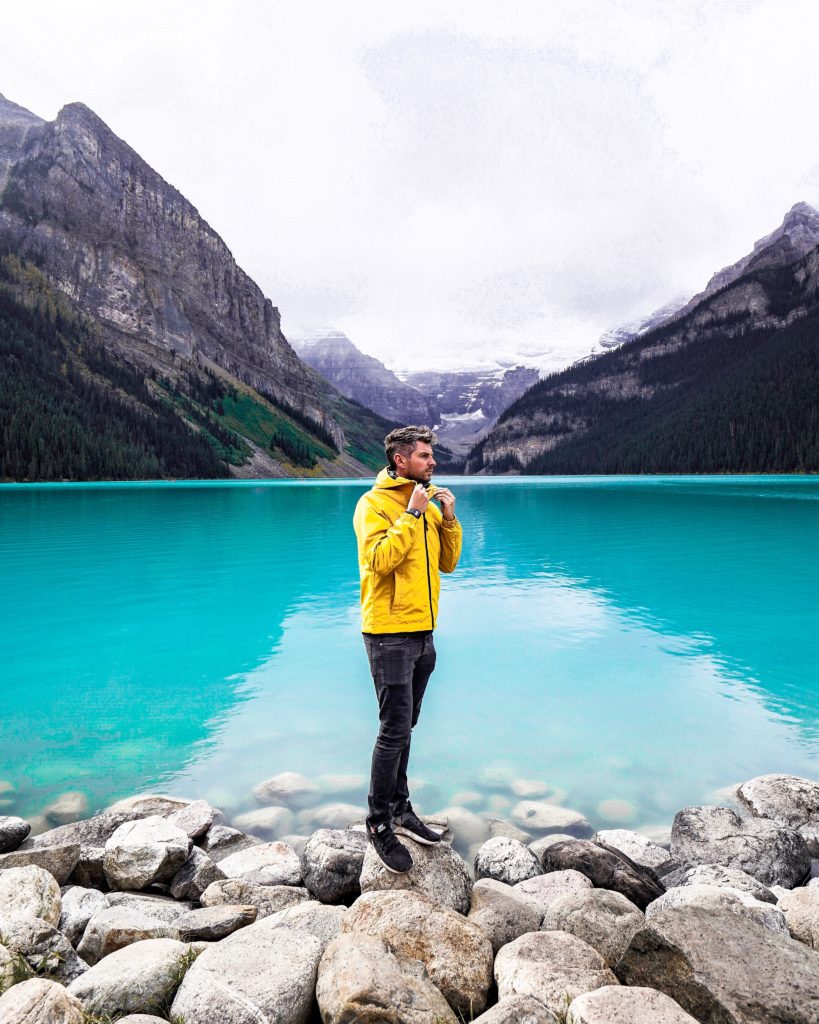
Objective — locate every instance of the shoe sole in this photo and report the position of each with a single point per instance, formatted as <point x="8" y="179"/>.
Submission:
<point x="399" y="830"/>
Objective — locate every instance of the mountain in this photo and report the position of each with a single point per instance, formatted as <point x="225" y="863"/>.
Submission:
<point x="363" y="378"/>
<point x="160" y="292"/>
<point x="728" y="384"/>
<point x="616" y="336"/>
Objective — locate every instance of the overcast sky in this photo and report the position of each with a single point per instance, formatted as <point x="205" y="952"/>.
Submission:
<point x="453" y="183"/>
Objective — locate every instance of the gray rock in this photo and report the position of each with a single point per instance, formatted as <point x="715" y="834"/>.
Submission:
<point x="143" y="852"/>
<point x="716" y="874"/>
<point x="116" y="927"/>
<point x="30" y="892"/>
<point x="463" y="827"/>
<point x="298" y="842"/>
<point x="551" y="966"/>
<point x="773" y="854"/>
<point x="361" y="979"/>
<point x="517" y="1010"/>
<point x="44" y="948"/>
<point x="542" y="891"/>
<point x="66" y="808"/>
<point x="719" y="972"/>
<point x="788" y="800"/>
<point x="163" y="908"/>
<point x="136" y="979"/>
<point x="606" y="869"/>
<point x="335" y="815"/>
<point x="317" y="919"/>
<point x="616" y="1004"/>
<point x="94" y="831"/>
<point x="268" y="899"/>
<point x="331" y="864"/>
<point x="455" y="952"/>
<point x="638" y="848"/>
<point x="221" y="841"/>
<point x="58" y="861"/>
<point x="267" y="822"/>
<point x="499" y="827"/>
<point x="260" y="973"/>
<point x="500" y="913"/>
<point x="710" y="897"/>
<point x="604" y="919"/>
<point x="78" y="907"/>
<point x="529" y="789"/>
<point x="437" y="872"/>
<point x="195" y="875"/>
<point x="343" y="785"/>
<point x="470" y="798"/>
<point x="539" y="846"/>
<point x="268" y="864"/>
<point x="13" y="831"/>
<point x="89" y="871"/>
<point x="147" y="805"/>
<point x="801" y="910"/>
<point x="194" y="819"/>
<point x="38" y="1001"/>
<point x="286" y="788"/>
<point x="213" y="923"/>
<point x="540" y="816"/>
<point x="506" y="860"/>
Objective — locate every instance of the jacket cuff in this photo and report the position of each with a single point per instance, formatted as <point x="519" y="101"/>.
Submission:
<point x="450" y="524"/>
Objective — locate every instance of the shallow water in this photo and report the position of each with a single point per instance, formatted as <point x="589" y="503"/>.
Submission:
<point x="633" y="643"/>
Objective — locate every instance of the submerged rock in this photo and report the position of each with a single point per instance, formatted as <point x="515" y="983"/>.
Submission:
<point x="540" y="816"/>
<point x="268" y="822"/>
<point x="288" y="788"/>
<point x="66" y="808"/>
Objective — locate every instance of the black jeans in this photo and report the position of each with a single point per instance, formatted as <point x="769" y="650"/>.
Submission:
<point x="401" y="665"/>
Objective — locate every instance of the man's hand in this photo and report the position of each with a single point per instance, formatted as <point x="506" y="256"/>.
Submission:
<point x="447" y="499"/>
<point x="419" y="499"/>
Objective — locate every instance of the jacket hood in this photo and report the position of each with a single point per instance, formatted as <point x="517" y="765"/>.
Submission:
<point x="386" y="480"/>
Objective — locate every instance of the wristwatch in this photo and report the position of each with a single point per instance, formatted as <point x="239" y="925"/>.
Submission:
<point x="414" y="512"/>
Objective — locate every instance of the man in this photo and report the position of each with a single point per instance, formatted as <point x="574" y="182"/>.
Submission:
<point x="404" y="542"/>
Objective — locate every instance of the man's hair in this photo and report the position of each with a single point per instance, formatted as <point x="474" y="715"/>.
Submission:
<point x="404" y="440"/>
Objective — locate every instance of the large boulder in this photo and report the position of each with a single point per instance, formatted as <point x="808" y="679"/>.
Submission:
<point x="517" y="1010"/>
<point x="59" y="860"/>
<point x="606" y="868"/>
<point x="501" y="914"/>
<point x="331" y="864"/>
<point x="604" y="919"/>
<point x="143" y="852"/>
<point x="161" y="907"/>
<point x="39" y="1001"/>
<point x="195" y="875"/>
<point x="221" y="841"/>
<point x="541" y="891"/>
<point x="773" y="854"/>
<point x="78" y="907"/>
<point x="260" y="973"/>
<point x="117" y="927"/>
<point x="267" y="864"/>
<point x="551" y="966"/>
<point x="506" y="860"/>
<point x="456" y="953"/>
<point x="30" y="892"/>
<point x="720" y="972"/>
<point x="289" y="788"/>
<point x="194" y="819"/>
<point x="801" y="910"/>
<point x="788" y="800"/>
<point x="46" y="950"/>
<point x="213" y="923"/>
<point x="711" y="897"/>
<point x="616" y="1004"/>
<point x="716" y="874"/>
<point x="317" y="919"/>
<point x="539" y="816"/>
<point x="136" y="979"/>
<point x="13" y="831"/>
<point x="361" y="979"/>
<point x="267" y="899"/>
<point x="437" y="872"/>
<point x="638" y="848"/>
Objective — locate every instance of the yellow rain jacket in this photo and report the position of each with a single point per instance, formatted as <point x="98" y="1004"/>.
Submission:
<point x="400" y="557"/>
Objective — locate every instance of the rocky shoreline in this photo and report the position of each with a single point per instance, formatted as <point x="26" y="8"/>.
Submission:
<point x="156" y="909"/>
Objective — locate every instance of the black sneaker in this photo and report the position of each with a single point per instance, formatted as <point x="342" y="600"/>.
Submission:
<point x="410" y="825"/>
<point x="394" y="856"/>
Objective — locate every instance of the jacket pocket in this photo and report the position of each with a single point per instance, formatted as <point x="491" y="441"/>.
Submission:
<point x="401" y="590"/>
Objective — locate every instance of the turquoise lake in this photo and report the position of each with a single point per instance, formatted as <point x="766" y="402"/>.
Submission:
<point x="636" y="643"/>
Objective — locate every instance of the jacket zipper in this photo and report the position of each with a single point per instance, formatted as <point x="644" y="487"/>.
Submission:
<point x="429" y="582"/>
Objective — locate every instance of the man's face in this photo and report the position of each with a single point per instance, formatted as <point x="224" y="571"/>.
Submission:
<point x="419" y="465"/>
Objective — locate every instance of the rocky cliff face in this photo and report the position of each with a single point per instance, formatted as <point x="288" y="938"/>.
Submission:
<point x="364" y="378"/>
<point x="136" y="257"/>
